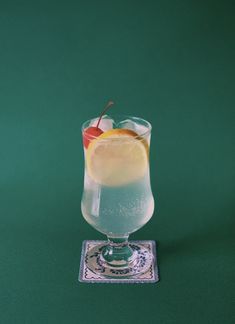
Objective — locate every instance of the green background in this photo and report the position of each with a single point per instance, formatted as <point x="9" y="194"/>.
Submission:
<point x="170" y="62"/>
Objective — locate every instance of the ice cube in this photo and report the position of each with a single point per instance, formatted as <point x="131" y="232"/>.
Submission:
<point x="140" y="129"/>
<point x="127" y="123"/>
<point x="105" y="124"/>
<point x="135" y="126"/>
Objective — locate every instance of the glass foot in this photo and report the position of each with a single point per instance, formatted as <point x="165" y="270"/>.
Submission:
<point x="138" y="262"/>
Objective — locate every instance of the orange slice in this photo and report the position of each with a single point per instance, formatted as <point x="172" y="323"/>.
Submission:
<point x="117" y="157"/>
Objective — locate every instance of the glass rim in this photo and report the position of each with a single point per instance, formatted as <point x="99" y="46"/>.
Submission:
<point x="148" y="125"/>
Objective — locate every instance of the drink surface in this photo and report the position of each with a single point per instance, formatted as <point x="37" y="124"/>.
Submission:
<point x="117" y="211"/>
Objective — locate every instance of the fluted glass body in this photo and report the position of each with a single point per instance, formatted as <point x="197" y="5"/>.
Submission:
<point x="119" y="209"/>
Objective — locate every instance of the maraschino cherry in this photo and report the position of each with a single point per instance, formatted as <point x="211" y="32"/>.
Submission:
<point x="94" y="131"/>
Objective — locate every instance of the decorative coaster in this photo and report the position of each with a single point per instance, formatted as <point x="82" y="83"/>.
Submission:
<point x="86" y="275"/>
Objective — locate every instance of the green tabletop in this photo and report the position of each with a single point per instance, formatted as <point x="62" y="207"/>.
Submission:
<point x="170" y="62"/>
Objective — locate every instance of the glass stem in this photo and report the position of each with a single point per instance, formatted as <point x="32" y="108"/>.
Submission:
<point x="117" y="252"/>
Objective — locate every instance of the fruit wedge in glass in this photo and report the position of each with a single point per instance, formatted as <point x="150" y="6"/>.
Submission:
<point x="117" y="198"/>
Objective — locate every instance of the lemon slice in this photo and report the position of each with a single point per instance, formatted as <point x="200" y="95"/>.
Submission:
<point x="117" y="157"/>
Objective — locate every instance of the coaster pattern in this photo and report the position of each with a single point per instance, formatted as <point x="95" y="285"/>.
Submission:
<point x="85" y="275"/>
